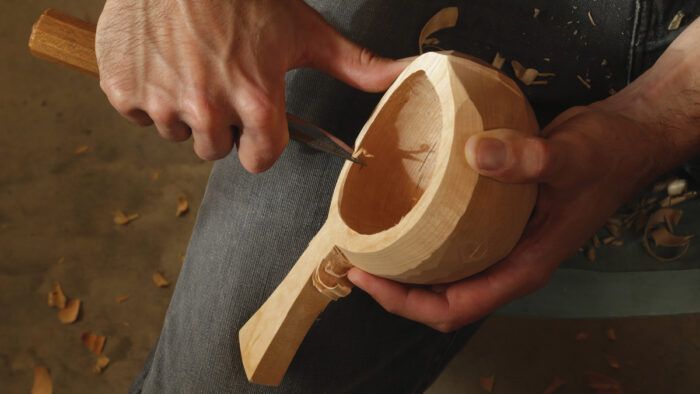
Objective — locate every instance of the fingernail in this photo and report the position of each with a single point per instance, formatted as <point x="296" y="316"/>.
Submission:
<point x="490" y="154"/>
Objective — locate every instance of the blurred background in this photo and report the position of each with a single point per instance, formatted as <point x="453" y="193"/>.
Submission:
<point x="68" y="162"/>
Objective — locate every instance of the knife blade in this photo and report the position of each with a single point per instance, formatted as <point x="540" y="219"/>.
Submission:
<point x="70" y="41"/>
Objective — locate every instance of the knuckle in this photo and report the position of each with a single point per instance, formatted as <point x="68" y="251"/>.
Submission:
<point x="203" y="113"/>
<point x="258" y="109"/>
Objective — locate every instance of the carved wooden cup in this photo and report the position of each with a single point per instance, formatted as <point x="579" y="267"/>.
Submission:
<point x="417" y="213"/>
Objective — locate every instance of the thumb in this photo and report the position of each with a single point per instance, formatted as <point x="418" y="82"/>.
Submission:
<point x="513" y="157"/>
<point x="353" y="64"/>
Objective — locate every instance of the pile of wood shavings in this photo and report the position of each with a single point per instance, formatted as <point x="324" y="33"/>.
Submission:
<point x="653" y="217"/>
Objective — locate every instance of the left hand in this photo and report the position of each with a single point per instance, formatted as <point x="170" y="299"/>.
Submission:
<point x="589" y="163"/>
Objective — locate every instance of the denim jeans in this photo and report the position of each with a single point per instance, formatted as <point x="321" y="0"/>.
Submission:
<point x="252" y="228"/>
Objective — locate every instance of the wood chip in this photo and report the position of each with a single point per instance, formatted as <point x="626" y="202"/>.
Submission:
<point x="608" y="240"/>
<point x="121" y="299"/>
<point x="612" y="361"/>
<point x="535" y="12"/>
<point x="56" y="298"/>
<point x="556" y="384"/>
<point x="487" y="383"/>
<point x="42" y="381"/>
<point x="584" y="82"/>
<point x="100" y="364"/>
<point x="676" y="21"/>
<point x="70" y="313"/>
<point x="590" y="18"/>
<point x="582" y="336"/>
<point x="155" y="175"/>
<point x="498" y="61"/>
<point x="677" y="187"/>
<point x="183" y="206"/>
<point x="602" y="383"/>
<point x="526" y="75"/>
<point x="81" y="149"/>
<point x="159" y="280"/>
<point x="123" y="219"/>
<point x="663" y="237"/>
<point x="675" y="200"/>
<point x="611" y="334"/>
<point x="95" y="343"/>
<point x="444" y="19"/>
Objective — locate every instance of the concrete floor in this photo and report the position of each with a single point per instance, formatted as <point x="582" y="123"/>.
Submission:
<point x="56" y="205"/>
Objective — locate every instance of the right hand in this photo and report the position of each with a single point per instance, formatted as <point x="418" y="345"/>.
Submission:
<point x="202" y="68"/>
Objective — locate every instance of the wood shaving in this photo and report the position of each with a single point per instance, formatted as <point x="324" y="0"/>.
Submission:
<point x="663" y="237"/>
<point x="526" y="75"/>
<point x="675" y="200"/>
<point x="614" y="229"/>
<point x="677" y="187"/>
<point x="70" y="313"/>
<point x="42" y="381"/>
<point x="613" y="362"/>
<point x="121" y="299"/>
<point x="590" y="18"/>
<point x="555" y="385"/>
<point x="487" y="383"/>
<point x="155" y="175"/>
<point x="100" y="364"/>
<point x="611" y="334"/>
<point x="123" y="219"/>
<point x="81" y="149"/>
<point x="444" y="19"/>
<point x="602" y="383"/>
<point x="498" y="61"/>
<point x="95" y="343"/>
<point x="596" y="241"/>
<point x="582" y="336"/>
<point x="604" y="62"/>
<point x="608" y="240"/>
<point x="431" y="41"/>
<point x="362" y="154"/>
<point x="584" y="82"/>
<point x="56" y="298"/>
<point x="590" y="254"/>
<point x="535" y="12"/>
<point x="159" y="280"/>
<point x="617" y="242"/>
<point x="676" y="21"/>
<point x="182" y="206"/>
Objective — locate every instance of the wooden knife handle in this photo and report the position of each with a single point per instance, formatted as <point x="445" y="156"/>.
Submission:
<point x="66" y="40"/>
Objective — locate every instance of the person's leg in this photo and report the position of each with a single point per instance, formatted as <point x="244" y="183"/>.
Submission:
<point x="252" y="228"/>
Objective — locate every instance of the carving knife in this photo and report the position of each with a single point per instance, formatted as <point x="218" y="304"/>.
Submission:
<point x="66" y="40"/>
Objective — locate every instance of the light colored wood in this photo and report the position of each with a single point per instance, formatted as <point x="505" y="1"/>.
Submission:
<point x="417" y="213"/>
<point x="63" y="39"/>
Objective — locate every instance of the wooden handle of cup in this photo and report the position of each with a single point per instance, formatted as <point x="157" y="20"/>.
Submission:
<point x="66" y="40"/>
<point x="271" y="338"/>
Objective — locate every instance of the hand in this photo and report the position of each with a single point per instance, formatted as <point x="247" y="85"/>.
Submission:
<point x="588" y="164"/>
<point x="590" y="161"/>
<point x="201" y="67"/>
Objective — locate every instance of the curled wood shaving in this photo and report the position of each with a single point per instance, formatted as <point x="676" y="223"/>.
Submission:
<point x="535" y="12"/>
<point x="70" y="313"/>
<point x="56" y="298"/>
<point x="498" y="61"/>
<point x="444" y="19"/>
<point x="95" y="343"/>
<point x="159" y="280"/>
<point x="602" y="383"/>
<point x="121" y="299"/>
<point x="123" y="219"/>
<point x="487" y="383"/>
<point x="182" y="206"/>
<point x="676" y="21"/>
<point x="663" y="237"/>
<point x="611" y="334"/>
<point x="556" y="384"/>
<point x="526" y="75"/>
<point x="42" y="381"/>
<point x="100" y="364"/>
<point x="613" y="362"/>
<point x="80" y="150"/>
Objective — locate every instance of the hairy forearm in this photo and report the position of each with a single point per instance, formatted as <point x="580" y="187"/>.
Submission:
<point x="666" y="99"/>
